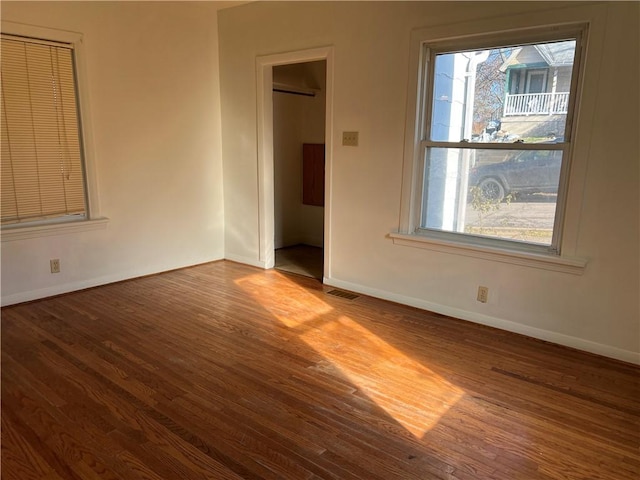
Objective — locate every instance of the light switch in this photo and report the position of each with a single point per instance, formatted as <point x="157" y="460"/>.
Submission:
<point x="350" y="139"/>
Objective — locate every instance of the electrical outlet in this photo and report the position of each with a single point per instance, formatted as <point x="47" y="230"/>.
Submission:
<point x="483" y="294"/>
<point x="55" y="265"/>
<point x="350" y="139"/>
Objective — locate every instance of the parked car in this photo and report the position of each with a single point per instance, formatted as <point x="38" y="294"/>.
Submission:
<point x="532" y="171"/>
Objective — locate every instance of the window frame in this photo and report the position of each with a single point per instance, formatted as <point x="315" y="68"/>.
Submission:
<point x="92" y="219"/>
<point x="532" y="28"/>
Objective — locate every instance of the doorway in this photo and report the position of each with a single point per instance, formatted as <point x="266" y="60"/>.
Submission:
<point x="294" y="113"/>
<point x="299" y="101"/>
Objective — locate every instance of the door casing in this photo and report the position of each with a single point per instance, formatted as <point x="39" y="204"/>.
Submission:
<point x="266" y="213"/>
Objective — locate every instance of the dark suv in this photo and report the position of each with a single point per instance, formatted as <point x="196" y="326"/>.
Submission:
<point x="533" y="171"/>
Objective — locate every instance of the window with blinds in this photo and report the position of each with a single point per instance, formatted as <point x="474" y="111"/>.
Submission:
<point x="42" y="168"/>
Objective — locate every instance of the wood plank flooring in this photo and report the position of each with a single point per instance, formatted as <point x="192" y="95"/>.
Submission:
<point x="224" y="371"/>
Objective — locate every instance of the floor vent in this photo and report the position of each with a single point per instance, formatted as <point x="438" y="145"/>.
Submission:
<point x="343" y="294"/>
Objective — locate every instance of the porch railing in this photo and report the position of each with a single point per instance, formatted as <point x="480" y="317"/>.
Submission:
<point x="536" y="104"/>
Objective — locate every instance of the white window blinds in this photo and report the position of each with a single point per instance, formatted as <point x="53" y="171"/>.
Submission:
<point x="42" y="170"/>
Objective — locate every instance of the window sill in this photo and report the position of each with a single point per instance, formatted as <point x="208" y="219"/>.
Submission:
<point x="572" y="265"/>
<point x="9" y="234"/>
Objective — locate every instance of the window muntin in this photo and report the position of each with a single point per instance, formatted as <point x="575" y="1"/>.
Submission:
<point x="42" y="168"/>
<point x="494" y="160"/>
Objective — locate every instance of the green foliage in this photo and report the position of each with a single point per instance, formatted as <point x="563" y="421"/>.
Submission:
<point x="485" y="206"/>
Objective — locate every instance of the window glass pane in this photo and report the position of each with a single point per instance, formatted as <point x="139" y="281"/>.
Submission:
<point x="518" y="93"/>
<point x="506" y="194"/>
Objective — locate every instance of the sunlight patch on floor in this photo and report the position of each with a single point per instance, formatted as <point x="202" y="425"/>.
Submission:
<point x="412" y="394"/>
<point x="292" y="305"/>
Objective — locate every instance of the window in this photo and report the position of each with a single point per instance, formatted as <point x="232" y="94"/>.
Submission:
<point x="492" y="139"/>
<point x="43" y="176"/>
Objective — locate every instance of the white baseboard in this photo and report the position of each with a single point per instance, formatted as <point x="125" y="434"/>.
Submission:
<point x="547" y="335"/>
<point x="559" y="338"/>
<point x="59" y="289"/>
<point x="246" y="260"/>
<point x="313" y="241"/>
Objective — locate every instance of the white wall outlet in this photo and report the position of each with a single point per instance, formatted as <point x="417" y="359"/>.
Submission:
<point x="483" y="294"/>
<point x="350" y="139"/>
<point x="55" y="265"/>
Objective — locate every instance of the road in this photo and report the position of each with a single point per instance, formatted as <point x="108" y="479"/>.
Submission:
<point x="520" y="220"/>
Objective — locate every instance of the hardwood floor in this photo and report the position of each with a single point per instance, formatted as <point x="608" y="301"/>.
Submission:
<point x="224" y="371"/>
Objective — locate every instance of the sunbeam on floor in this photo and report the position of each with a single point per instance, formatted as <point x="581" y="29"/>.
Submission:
<point x="412" y="394"/>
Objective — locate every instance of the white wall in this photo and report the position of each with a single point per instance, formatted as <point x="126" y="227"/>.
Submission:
<point x="153" y="85"/>
<point x="597" y="311"/>
<point x="297" y="120"/>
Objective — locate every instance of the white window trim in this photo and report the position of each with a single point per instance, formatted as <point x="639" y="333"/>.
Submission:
<point x="9" y="234"/>
<point x="407" y="233"/>
<point x="573" y="265"/>
<point x="93" y="220"/>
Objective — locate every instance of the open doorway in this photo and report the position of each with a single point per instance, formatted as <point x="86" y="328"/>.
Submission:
<point x="266" y="177"/>
<point x="299" y="120"/>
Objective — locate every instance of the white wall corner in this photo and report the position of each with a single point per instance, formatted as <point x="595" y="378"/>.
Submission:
<point x="246" y="260"/>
